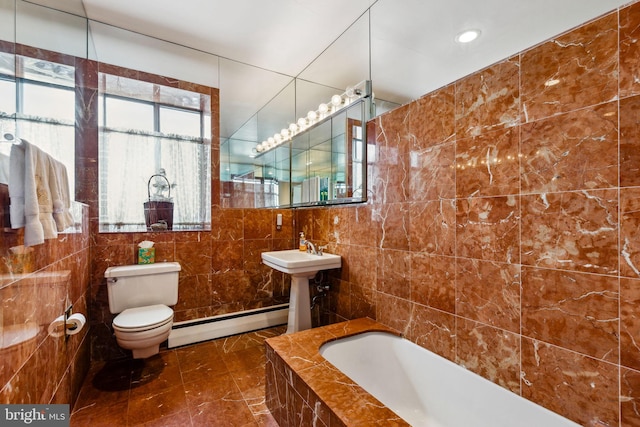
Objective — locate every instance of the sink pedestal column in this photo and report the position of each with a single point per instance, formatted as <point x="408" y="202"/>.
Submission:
<point x="299" y="304"/>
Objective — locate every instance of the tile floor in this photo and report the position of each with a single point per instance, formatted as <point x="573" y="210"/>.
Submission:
<point x="215" y="383"/>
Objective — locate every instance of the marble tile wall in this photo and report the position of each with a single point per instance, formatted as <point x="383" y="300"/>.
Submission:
<point x="502" y="230"/>
<point x="35" y="288"/>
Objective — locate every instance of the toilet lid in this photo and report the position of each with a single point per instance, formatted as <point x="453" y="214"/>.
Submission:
<point x="143" y="317"/>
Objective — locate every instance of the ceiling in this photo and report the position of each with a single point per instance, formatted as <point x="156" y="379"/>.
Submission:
<point x="406" y="47"/>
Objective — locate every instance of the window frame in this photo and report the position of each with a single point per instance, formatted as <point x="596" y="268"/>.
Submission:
<point x="204" y="171"/>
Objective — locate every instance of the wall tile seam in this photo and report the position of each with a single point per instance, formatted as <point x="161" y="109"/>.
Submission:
<point x="521" y="335"/>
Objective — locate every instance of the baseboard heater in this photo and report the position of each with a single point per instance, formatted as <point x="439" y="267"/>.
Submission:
<point x="208" y="328"/>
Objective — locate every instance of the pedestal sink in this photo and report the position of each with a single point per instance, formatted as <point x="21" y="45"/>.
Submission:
<point x="301" y="266"/>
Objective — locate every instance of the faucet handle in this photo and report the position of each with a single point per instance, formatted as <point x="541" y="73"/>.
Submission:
<point x="321" y="249"/>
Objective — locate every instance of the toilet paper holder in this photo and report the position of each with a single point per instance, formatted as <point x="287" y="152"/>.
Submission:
<point x="64" y="326"/>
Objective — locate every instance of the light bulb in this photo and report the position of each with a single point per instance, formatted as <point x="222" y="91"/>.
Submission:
<point x="350" y="92"/>
<point x="323" y="108"/>
<point x="336" y="100"/>
<point x="277" y="137"/>
<point x="302" y="122"/>
<point x="293" y="128"/>
<point x="271" y="140"/>
<point x="284" y="133"/>
<point x="312" y="115"/>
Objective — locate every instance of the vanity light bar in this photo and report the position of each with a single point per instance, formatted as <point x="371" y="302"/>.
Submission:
<point x="337" y="102"/>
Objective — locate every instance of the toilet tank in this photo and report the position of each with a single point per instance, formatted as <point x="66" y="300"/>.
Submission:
<point x="138" y="285"/>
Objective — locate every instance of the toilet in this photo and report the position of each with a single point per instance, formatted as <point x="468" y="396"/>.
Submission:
<point x="140" y="295"/>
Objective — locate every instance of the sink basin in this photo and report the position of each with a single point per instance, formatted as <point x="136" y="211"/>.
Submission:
<point x="301" y="266"/>
<point x="295" y="262"/>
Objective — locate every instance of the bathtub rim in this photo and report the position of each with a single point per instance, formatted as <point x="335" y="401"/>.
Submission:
<point x="311" y="369"/>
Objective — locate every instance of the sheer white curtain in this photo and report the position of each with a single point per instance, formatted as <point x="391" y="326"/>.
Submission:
<point x="56" y="138"/>
<point x="129" y="159"/>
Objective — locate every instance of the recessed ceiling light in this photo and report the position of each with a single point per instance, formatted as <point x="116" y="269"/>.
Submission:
<point x="467" y="36"/>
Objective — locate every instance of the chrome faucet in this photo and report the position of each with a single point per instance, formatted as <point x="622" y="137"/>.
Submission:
<point x="311" y="249"/>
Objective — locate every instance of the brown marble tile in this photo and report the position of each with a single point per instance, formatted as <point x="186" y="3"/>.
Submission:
<point x="580" y="388"/>
<point x="630" y="323"/>
<point x="573" y="151"/>
<point x="320" y="226"/>
<point x="488" y="228"/>
<point x="394" y="311"/>
<point x="576" y="311"/>
<point x="363" y="263"/>
<point x="109" y="414"/>
<point x="629" y="22"/>
<point x="247" y="340"/>
<point x="363" y="226"/>
<point x="201" y="361"/>
<point x="422" y="129"/>
<point x="188" y="294"/>
<point x="394" y="219"/>
<point x="434" y="330"/>
<point x="571" y="71"/>
<point x="433" y="281"/>
<point x="339" y="393"/>
<point x="391" y="175"/>
<point x="258" y="223"/>
<point x="406" y="129"/>
<point x="338" y="226"/>
<point x="629" y="395"/>
<point x="224" y="412"/>
<point x="210" y="389"/>
<point x="226" y="224"/>
<point x="629" y="145"/>
<point x="146" y="408"/>
<point x="394" y="274"/>
<point x="489" y="352"/>
<point x="194" y="257"/>
<point x="362" y="302"/>
<point x="432" y="226"/>
<point x="488" y="292"/>
<point x="178" y="419"/>
<point x="226" y="255"/>
<point x="154" y="374"/>
<point x="432" y="172"/>
<point x="390" y="129"/>
<point x="488" y="99"/>
<point x="487" y="165"/>
<point x="571" y="231"/>
<point x="244" y="360"/>
<point x="629" y="226"/>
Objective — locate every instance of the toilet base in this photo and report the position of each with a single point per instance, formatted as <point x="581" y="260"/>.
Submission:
<point x="143" y="353"/>
<point x="146" y="343"/>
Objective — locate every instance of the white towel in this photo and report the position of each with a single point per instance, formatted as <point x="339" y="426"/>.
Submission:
<point x="38" y="203"/>
<point x="59" y="184"/>
<point x="16" y="186"/>
<point x="35" y="180"/>
<point x="4" y="169"/>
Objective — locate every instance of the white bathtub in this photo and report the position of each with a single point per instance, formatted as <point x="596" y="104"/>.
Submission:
<point x="428" y="390"/>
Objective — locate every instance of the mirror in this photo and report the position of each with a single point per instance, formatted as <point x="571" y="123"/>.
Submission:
<point x="330" y="152"/>
<point x="7" y="105"/>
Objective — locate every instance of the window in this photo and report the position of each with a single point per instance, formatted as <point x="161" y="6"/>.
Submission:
<point x="145" y="130"/>
<point x="38" y="105"/>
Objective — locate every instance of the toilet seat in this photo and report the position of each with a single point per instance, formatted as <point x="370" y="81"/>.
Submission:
<point x="143" y="318"/>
